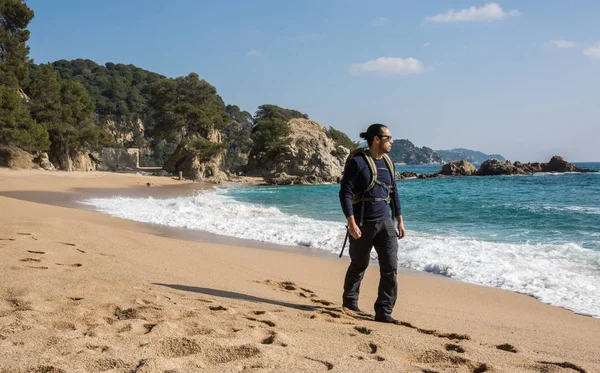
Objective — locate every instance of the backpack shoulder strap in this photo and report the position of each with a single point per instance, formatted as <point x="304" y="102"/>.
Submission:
<point x="366" y="154"/>
<point x="390" y="166"/>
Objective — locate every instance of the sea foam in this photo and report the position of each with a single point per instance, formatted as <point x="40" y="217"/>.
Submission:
<point x="565" y="275"/>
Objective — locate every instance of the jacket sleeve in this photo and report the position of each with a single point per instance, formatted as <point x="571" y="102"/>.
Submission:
<point x="348" y="186"/>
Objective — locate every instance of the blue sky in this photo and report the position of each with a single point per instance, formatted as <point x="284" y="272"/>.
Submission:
<point x="520" y="78"/>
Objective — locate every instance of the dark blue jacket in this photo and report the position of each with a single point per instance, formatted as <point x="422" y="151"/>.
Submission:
<point x="357" y="177"/>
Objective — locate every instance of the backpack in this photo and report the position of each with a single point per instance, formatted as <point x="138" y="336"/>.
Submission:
<point x="357" y="197"/>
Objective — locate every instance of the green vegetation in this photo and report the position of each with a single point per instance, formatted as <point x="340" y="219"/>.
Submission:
<point x="237" y="136"/>
<point x="119" y="92"/>
<point x="404" y="151"/>
<point x="340" y="138"/>
<point x="185" y="107"/>
<point x="472" y="156"/>
<point x="15" y="15"/>
<point x="270" y="126"/>
<point x="16" y="126"/>
<point x="69" y="107"/>
<point x="67" y="111"/>
<point x="276" y="112"/>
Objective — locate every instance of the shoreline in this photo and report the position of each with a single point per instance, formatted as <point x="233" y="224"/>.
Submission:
<point x="84" y="291"/>
<point x="71" y="200"/>
<point x="163" y="187"/>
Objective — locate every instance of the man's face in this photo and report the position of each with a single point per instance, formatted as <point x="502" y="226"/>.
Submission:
<point x="385" y="140"/>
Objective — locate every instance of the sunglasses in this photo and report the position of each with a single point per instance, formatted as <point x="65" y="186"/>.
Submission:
<point x="385" y="137"/>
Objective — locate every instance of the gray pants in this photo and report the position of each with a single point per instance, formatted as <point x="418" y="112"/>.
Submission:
<point x="382" y="235"/>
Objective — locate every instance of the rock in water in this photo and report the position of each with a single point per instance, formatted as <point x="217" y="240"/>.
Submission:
<point x="558" y="164"/>
<point x="311" y="157"/>
<point x="495" y="167"/>
<point x="458" y="168"/>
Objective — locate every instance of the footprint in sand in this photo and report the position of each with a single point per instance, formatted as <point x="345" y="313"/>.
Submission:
<point x="70" y="265"/>
<point x="66" y="243"/>
<point x="326" y="363"/>
<point x="369" y="348"/>
<point x="267" y="322"/>
<point x="455" y="348"/>
<point x="565" y="365"/>
<point x="444" y="360"/>
<point x="46" y="369"/>
<point x="454" y="336"/>
<point x="38" y="267"/>
<point x="7" y="239"/>
<point x="36" y="252"/>
<point x="507" y="347"/>
<point x="30" y="260"/>
<point x="363" y="330"/>
<point x="217" y="308"/>
<point x="75" y="298"/>
<point x="24" y="234"/>
<point x="274" y="338"/>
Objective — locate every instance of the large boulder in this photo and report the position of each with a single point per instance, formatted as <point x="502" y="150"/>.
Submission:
<point x="558" y="164"/>
<point x="493" y="167"/>
<point x="43" y="161"/>
<point x="119" y="159"/>
<point x="196" y="164"/>
<point x="310" y="157"/>
<point x="458" y="168"/>
<point x="73" y="160"/>
<point x="13" y="157"/>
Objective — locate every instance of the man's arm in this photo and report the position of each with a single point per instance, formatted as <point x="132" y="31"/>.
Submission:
<point x="347" y="189"/>
<point x="398" y="211"/>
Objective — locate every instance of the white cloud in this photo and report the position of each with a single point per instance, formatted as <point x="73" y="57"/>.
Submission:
<point x="387" y="66"/>
<point x="488" y="13"/>
<point x="254" y="53"/>
<point x="311" y="36"/>
<point x="563" y="43"/>
<point x="593" y="51"/>
<point x="379" y="22"/>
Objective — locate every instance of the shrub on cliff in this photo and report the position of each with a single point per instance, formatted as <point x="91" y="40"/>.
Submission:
<point x="340" y="138"/>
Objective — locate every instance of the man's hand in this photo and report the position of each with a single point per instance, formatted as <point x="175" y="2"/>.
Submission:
<point x="401" y="230"/>
<point x="353" y="229"/>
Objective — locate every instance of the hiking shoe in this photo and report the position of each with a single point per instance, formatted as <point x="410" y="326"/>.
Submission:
<point x="388" y="320"/>
<point x="352" y="307"/>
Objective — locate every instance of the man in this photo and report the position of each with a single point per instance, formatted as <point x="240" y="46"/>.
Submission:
<point x="370" y="220"/>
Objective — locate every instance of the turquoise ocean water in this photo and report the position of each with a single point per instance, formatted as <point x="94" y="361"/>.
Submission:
<point x="537" y="234"/>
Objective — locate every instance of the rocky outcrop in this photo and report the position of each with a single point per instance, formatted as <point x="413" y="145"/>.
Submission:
<point x="73" y="160"/>
<point x="558" y="164"/>
<point x="43" y="161"/>
<point x="458" y="168"/>
<point x="310" y="157"/>
<point x="495" y="167"/>
<point x="124" y="132"/>
<point x="13" y="157"/>
<point x="413" y="175"/>
<point x="119" y="159"/>
<point x="198" y="164"/>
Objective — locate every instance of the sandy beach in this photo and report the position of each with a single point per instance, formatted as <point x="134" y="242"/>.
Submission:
<point x="81" y="291"/>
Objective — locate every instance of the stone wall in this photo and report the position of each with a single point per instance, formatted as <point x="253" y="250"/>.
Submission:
<point x="118" y="159"/>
